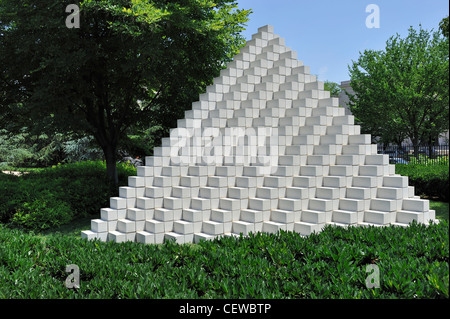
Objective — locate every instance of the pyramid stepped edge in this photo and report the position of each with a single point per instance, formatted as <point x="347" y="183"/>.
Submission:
<point x="264" y="149"/>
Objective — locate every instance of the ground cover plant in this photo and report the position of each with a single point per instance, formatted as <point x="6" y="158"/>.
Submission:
<point x="413" y="263"/>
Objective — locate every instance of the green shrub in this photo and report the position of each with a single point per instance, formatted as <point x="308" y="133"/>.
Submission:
<point x="413" y="263"/>
<point x="72" y="190"/>
<point x="42" y="213"/>
<point x="428" y="180"/>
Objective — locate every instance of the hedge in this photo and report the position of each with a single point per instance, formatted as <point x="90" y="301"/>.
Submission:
<point x="428" y="180"/>
<point x="56" y="195"/>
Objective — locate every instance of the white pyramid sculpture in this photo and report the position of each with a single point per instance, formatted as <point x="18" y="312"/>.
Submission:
<point x="264" y="149"/>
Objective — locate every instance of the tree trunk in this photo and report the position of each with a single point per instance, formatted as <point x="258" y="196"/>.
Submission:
<point x="111" y="164"/>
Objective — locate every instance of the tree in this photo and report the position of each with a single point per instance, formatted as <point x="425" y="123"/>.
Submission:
<point x="333" y="87"/>
<point x="403" y="90"/>
<point x="130" y="64"/>
<point x="443" y="26"/>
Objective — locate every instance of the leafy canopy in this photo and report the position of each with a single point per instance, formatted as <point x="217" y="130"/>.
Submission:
<point x="403" y="91"/>
<point x="131" y="64"/>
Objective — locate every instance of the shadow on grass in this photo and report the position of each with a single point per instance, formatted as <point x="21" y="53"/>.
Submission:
<point x="441" y="208"/>
<point x="73" y="229"/>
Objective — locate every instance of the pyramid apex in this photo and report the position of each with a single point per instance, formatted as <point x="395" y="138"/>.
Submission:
<point x="267" y="28"/>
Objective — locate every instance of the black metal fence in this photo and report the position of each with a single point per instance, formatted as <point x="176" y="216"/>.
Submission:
<point x="410" y="154"/>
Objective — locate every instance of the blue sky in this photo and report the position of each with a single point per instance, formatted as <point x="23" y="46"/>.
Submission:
<point x="328" y="35"/>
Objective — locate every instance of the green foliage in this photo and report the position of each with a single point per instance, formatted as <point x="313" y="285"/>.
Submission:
<point x="428" y="180"/>
<point x="402" y="91"/>
<point x="57" y="195"/>
<point x="443" y="26"/>
<point x="24" y="149"/>
<point x="441" y="209"/>
<point x="413" y="263"/>
<point x="44" y="212"/>
<point x="333" y="87"/>
<point x="132" y="64"/>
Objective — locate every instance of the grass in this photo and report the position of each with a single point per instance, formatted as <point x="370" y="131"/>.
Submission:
<point x="441" y="208"/>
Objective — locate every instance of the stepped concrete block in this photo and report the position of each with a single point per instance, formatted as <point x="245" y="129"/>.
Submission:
<point x="384" y="205"/>
<point x="291" y="204"/>
<point x="136" y="181"/>
<point x="371" y="170"/>
<point x="304" y="181"/>
<point x="416" y="205"/>
<point x="390" y="193"/>
<point x="267" y="192"/>
<point x="335" y="181"/>
<point x="320" y="204"/>
<point x="328" y="193"/>
<point x="273" y="227"/>
<point x="243" y="227"/>
<point x="172" y="236"/>
<point x="183" y="227"/>
<point x="252" y="216"/>
<point x="126" y="226"/>
<point x="379" y="217"/>
<point x="274" y="181"/>
<point x="348" y="160"/>
<point x="154" y="226"/>
<point x="154" y="192"/>
<point x="99" y="226"/>
<point x="198" y="237"/>
<point x="365" y="181"/>
<point x="379" y="159"/>
<point x="313" y="216"/>
<point x="118" y="203"/>
<point x="230" y="204"/>
<point x="284" y="216"/>
<point x="297" y="162"/>
<point x="209" y="192"/>
<point x="260" y="204"/>
<point x="200" y="203"/>
<point x="346" y="217"/>
<point x="341" y="170"/>
<point x="112" y="225"/>
<point x="395" y="181"/>
<point x="360" y="139"/>
<point x="127" y="192"/>
<point x="173" y="203"/>
<point x="407" y="217"/>
<point x="222" y="215"/>
<point x="145" y="237"/>
<point x="108" y="214"/>
<point x="354" y="205"/>
<point x="358" y="193"/>
<point x="297" y="192"/>
<point x="164" y="214"/>
<point x="147" y="203"/>
<point x="305" y="228"/>
<point x="117" y="236"/>
<point x="318" y="160"/>
<point x="238" y="192"/>
<point x="192" y="215"/>
<point x="212" y="227"/>
<point x="135" y="214"/>
<point x="180" y="192"/>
